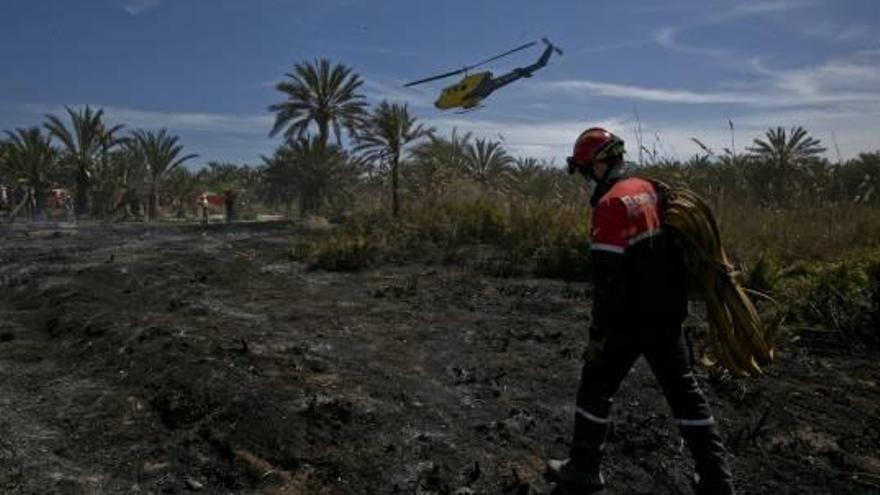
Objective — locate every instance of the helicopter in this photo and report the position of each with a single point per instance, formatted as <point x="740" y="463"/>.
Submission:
<point x="472" y="89"/>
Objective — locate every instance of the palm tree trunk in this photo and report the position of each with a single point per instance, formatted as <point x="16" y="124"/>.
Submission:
<point x="304" y="205"/>
<point x="81" y="205"/>
<point x="153" y="212"/>
<point x="395" y="200"/>
<point x="324" y="131"/>
<point x="39" y="192"/>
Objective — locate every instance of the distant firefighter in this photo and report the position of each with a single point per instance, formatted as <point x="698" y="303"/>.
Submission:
<point x="204" y="205"/>
<point x="229" y="197"/>
<point x="21" y="201"/>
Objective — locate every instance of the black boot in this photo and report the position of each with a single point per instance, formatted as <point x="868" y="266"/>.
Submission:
<point x="713" y="475"/>
<point x="581" y="472"/>
<point x="574" y="476"/>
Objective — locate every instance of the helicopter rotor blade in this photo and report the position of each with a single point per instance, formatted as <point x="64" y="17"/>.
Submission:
<point x="467" y="68"/>
<point x="509" y="52"/>
<point x="434" y="78"/>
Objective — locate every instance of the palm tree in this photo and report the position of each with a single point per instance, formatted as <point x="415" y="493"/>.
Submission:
<point x="487" y="162"/>
<point x="279" y="185"/>
<point x="84" y="144"/>
<point x="29" y="153"/>
<point x="181" y="183"/>
<point x="389" y="130"/>
<point x="534" y="180"/>
<point x="249" y="178"/>
<point x="320" y="94"/>
<point x="126" y="176"/>
<point x="306" y="170"/>
<point x="4" y="166"/>
<point x="793" y="148"/>
<point x="786" y="151"/>
<point x="437" y="162"/>
<point x="118" y="165"/>
<point x="221" y="175"/>
<point x="125" y="165"/>
<point x="161" y="154"/>
<point x="442" y="154"/>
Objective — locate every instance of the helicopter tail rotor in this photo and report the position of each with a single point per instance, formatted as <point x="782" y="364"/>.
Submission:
<point x="550" y="44"/>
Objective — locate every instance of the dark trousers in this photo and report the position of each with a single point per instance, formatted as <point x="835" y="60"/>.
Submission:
<point x="607" y="362"/>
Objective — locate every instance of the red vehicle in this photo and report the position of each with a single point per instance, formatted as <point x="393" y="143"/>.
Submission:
<point x="57" y="198"/>
<point x="214" y="199"/>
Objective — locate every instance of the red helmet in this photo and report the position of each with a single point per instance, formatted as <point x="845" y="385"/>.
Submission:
<point x="594" y="144"/>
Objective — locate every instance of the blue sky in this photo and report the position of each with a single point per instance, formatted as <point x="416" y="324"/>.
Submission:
<point x="205" y="69"/>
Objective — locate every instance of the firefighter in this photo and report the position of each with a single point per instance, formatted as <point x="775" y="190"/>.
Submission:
<point x="639" y="306"/>
<point x="229" y="197"/>
<point x="19" y="200"/>
<point x="203" y="203"/>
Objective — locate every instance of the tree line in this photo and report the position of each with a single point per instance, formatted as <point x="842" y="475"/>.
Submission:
<point x="338" y="153"/>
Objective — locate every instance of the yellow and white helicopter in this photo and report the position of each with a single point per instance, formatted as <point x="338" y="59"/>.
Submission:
<point x="472" y="89"/>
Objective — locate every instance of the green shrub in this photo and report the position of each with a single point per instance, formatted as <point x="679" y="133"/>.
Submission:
<point x="521" y="238"/>
<point x="345" y="254"/>
<point x="833" y="295"/>
<point x="303" y="250"/>
<point x="874" y="282"/>
<point x="764" y="275"/>
<point x="479" y="221"/>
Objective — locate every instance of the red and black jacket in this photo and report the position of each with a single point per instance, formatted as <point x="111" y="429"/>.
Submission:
<point x="639" y="271"/>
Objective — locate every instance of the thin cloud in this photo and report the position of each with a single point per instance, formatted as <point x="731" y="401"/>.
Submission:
<point x="177" y="121"/>
<point x="833" y="83"/>
<point x="611" y="90"/>
<point x="667" y="36"/>
<point x="837" y="33"/>
<point x="834" y="76"/>
<point x="137" y="7"/>
<point x="764" y="7"/>
<point x="614" y="46"/>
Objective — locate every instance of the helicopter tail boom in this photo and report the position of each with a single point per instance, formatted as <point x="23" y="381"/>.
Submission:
<point x="520" y="72"/>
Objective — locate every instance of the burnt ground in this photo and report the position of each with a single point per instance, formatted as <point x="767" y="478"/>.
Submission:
<point x="183" y="359"/>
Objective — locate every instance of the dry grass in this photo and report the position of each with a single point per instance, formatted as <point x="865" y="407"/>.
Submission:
<point x="817" y="262"/>
<point x="830" y="233"/>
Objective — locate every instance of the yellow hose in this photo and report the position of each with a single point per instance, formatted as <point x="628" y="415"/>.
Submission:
<point x="736" y="333"/>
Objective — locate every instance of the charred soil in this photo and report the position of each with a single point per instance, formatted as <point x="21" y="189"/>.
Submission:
<point x="187" y="359"/>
